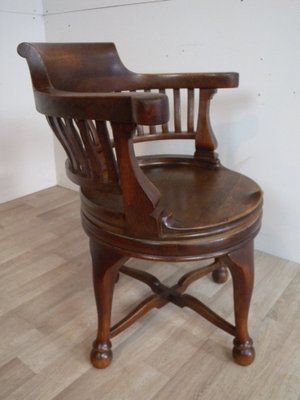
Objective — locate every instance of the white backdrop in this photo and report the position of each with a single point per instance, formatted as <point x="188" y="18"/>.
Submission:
<point x="26" y="145"/>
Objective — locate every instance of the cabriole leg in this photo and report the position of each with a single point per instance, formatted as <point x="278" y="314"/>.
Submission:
<point x="106" y="264"/>
<point x="241" y="265"/>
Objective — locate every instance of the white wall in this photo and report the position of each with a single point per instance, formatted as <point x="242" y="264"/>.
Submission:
<point x="257" y="125"/>
<point x="26" y="145"/>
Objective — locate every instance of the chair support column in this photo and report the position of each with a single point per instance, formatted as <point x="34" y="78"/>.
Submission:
<point x="206" y="142"/>
<point x="106" y="264"/>
<point x="241" y="266"/>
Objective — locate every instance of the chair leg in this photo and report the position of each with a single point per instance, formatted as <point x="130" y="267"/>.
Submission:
<point x="241" y="265"/>
<point x="106" y="263"/>
<point x="220" y="275"/>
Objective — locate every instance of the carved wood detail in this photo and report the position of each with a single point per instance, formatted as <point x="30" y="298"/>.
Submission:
<point x="206" y="142"/>
<point x="164" y="294"/>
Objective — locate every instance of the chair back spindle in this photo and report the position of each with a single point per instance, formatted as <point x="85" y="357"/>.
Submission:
<point x="91" y="160"/>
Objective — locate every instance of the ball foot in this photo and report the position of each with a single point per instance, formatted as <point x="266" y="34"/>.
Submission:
<point x="220" y="275"/>
<point x="243" y="353"/>
<point x="101" y="355"/>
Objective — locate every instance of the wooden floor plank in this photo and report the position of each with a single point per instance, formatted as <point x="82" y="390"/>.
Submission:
<point x="12" y="375"/>
<point x="54" y="378"/>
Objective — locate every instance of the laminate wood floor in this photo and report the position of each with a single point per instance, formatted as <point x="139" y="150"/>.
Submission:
<point x="48" y="321"/>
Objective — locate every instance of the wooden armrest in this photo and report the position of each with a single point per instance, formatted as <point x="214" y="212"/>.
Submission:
<point x="140" y="196"/>
<point x="136" y="108"/>
<point x="189" y="80"/>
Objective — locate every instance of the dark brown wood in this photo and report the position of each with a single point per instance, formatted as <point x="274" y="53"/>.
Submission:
<point x="165" y="294"/>
<point x="136" y="188"/>
<point x="190" y="110"/>
<point x="189" y="301"/>
<point x="153" y="301"/>
<point x="192" y="276"/>
<point x="158" y="207"/>
<point x="106" y="263"/>
<point x="241" y="266"/>
<point x="177" y="107"/>
<point x="220" y="274"/>
<point x="164" y="127"/>
<point x="206" y="142"/>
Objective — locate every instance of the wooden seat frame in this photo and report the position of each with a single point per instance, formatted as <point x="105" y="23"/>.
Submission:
<point x="98" y="109"/>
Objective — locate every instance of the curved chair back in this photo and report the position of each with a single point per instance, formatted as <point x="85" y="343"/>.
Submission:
<point x="97" y="109"/>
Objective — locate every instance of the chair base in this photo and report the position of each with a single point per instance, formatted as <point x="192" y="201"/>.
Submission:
<point x="107" y="263"/>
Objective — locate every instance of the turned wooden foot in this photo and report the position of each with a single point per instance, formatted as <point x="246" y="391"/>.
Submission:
<point x="106" y="264"/>
<point x="101" y="354"/>
<point x="220" y="275"/>
<point x="243" y="353"/>
<point x="241" y="265"/>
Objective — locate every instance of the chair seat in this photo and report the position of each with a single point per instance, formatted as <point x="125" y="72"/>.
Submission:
<point x="199" y="197"/>
<point x="200" y="203"/>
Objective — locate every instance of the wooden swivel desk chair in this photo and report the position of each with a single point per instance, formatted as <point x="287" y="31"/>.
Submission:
<point x="167" y="208"/>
